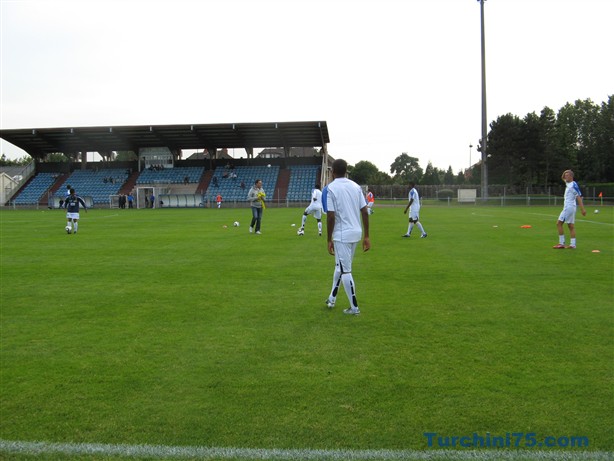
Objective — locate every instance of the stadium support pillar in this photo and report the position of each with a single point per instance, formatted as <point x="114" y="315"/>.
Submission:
<point x="250" y="152"/>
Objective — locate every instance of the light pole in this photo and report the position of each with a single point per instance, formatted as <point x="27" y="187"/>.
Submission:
<point x="470" y="146"/>
<point x="484" y="124"/>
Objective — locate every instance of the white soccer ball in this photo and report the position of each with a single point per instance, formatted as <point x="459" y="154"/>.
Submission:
<point x="236" y="223"/>
<point x="68" y="229"/>
<point x="596" y="211"/>
<point x="300" y="232"/>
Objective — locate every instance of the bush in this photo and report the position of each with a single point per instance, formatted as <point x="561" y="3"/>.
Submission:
<point x="445" y="194"/>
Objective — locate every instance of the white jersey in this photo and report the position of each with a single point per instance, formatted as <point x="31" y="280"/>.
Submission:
<point x="315" y="206"/>
<point x="316" y="197"/>
<point x="572" y="191"/>
<point x="345" y="198"/>
<point x="415" y="206"/>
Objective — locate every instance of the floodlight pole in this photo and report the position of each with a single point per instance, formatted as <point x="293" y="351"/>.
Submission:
<point x="484" y="123"/>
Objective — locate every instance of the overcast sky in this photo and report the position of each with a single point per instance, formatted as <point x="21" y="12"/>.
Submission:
<point x="388" y="76"/>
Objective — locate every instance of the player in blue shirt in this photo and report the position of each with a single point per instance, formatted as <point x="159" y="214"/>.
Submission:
<point x="71" y="203"/>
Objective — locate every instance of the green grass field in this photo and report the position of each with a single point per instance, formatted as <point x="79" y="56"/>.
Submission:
<point x="162" y="327"/>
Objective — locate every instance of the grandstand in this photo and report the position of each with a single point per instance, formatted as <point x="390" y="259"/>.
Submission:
<point x="176" y="175"/>
<point x="35" y="189"/>
<point x="180" y="185"/>
<point x="303" y="179"/>
<point x="97" y="184"/>
<point x="230" y="187"/>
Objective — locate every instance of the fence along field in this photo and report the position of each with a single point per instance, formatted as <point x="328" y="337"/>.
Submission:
<point x="163" y="328"/>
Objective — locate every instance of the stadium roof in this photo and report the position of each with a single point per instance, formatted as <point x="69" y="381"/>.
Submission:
<point x="39" y="142"/>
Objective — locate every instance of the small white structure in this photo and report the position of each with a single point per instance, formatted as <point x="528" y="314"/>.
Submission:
<point x="467" y="195"/>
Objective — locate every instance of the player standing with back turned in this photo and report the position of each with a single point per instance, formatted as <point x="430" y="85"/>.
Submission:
<point x="71" y="203"/>
<point x="345" y="206"/>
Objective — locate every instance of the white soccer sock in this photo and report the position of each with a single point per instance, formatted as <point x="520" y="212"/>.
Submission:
<point x="320" y="227"/>
<point x="562" y="239"/>
<point x="573" y="242"/>
<point x="304" y="220"/>
<point x="68" y="224"/>
<point x="420" y="227"/>
<point x="348" y="286"/>
<point x="76" y="226"/>
<point x="410" y="227"/>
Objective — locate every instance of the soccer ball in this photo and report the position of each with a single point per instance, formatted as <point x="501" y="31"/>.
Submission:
<point x="300" y="232"/>
<point x="596" y="211"/>
<point x="236" y="223"/>
<point x="68" y="229"/>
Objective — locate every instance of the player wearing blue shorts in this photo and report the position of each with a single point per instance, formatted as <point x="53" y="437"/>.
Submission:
<point x="568" y="215"/>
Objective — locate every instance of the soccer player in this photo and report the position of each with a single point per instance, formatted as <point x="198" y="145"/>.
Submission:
<point x="414" y="211"/>
<point x="345" y="205"/>
<point x="218" y="200"/>
<point x="370" y="201"/>
<point x="314" y="208"/>
<point x="72" y="211"/>
<point x="568" y="215"/>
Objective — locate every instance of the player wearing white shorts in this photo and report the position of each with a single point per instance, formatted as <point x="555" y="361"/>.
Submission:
<point x="568" y="215"/>
<point x="414" y="211"/>
<point x="314" y="208"/>
<point x="71" y="203"/>
<point x="345" y="206"/>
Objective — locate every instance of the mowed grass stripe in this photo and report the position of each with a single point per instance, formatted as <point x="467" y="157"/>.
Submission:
<point x="213" y="453"/>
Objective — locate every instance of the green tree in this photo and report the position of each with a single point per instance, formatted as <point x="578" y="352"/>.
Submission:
<point x="431" y="175"/>
<point x="448" y="177"/>
<point x="504" y="145"/>
<point x="23" y="161"/>
<point x="406" y="169"/>
<point x="56" y="157"/>
<point x="125" y="155"/>
<point x="364" y="172"/>
<point x="605" y="139"/>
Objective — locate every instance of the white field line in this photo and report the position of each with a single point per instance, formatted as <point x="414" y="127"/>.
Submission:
<point x="210" y="453"/>
<point x="554" y="218"/>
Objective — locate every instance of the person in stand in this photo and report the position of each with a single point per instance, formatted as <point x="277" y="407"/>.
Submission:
<point x="314" y="208"/>
<point x="71" y="204"/>
<point x="256" y="197"/>
<point x="573" y="196"/>
<point x="346" y="207"/>
<point x="414" y="211"/>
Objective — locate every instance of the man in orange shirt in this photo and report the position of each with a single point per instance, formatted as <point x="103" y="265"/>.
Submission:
<point x="370" y="201"/>
<point x="218" y="199"/>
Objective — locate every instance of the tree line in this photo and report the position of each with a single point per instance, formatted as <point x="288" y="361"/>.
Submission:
<point x="528" y="151"/>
